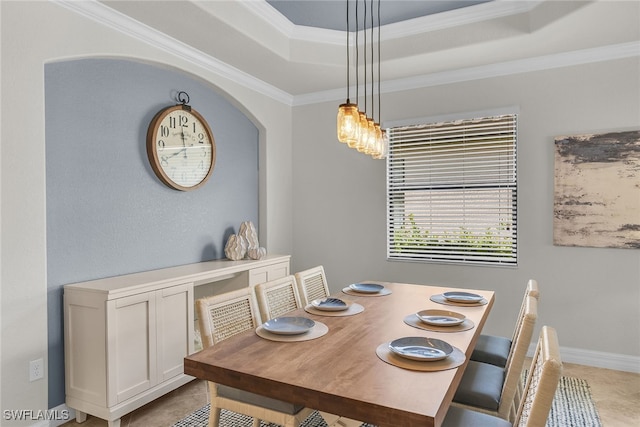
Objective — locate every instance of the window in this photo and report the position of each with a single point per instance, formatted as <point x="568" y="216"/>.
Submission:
<point x="451" y="192"/>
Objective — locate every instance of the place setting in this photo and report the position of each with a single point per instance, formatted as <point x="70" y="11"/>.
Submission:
<point x="366" y="289"/>
<point x="333" y="306"/>
<point x="420" y="354"/>
<point x="459" y="298"/>
<point x="291" y="328"/>
<point x="439" y="321"/>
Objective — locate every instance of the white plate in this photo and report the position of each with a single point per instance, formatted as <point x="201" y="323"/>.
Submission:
<point x="366" y="288"/>
<point x="421" y="348"/>
<point x="463" y="297"/>
<point x="440" y="317"/>
<point x="330" y="304"/>
<point x="288" y="325"/>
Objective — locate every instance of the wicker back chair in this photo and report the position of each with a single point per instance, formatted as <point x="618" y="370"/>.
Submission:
<point x="221" y="317"/>
<point x="277" y="297"/>
<point x="539" y="391"/>
<point x="542" y="381"/>
<point x="494" y="390"/>
<point x="312" y="284"/>
<point x="495" y="349"/>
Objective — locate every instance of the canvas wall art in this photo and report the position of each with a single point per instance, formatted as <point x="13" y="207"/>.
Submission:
<point x="597" y="190"/>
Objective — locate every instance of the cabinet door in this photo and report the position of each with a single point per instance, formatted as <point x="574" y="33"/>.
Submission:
<point x="175" y="329"/>
<point x="132" y="346"/>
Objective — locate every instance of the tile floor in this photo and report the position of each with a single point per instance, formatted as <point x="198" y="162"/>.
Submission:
<point x="616" y="393"/>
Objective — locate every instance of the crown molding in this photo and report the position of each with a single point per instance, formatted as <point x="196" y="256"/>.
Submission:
<point x="558" y="60"/>
<point x="111" y="18"/>
<point x="457" y="17"/>
<point x="424" y="24"/>
<point x="98" y="12"/>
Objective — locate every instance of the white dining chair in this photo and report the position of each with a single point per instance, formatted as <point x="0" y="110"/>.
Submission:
<point x="277" y="297"/>
<point x="538" y="394"/>
<point x="221" y="317"/>
<point x="494" y="390"/>
<point x="495" y="349"/>
<point x="312" y="284"/>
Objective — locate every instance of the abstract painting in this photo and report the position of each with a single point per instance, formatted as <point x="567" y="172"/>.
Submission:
<point x="597" y="190"/>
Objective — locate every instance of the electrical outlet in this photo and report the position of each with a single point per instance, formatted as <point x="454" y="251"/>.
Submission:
<point x="36" y="369"/>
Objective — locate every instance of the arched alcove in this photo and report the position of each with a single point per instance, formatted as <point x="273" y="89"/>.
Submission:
<point x="107" y="212"/>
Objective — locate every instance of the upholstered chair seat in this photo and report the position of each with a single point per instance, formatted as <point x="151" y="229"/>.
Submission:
<point x="495" y="349"/>
<point x="492" y="349"/>
<point x="495" y="390"/>
<point x="538" y="392"/>
<point x="481" y="385"/>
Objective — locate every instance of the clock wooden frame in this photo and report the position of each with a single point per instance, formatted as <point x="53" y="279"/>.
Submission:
<point x="152" y="147"/>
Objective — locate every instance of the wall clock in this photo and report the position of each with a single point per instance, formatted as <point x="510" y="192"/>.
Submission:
<point x="180" y="146"/>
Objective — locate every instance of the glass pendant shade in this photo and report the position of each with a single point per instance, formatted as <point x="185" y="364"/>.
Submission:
<point x="348" y="122"/>
<point x="371" y="137"/>
<point x="382" y="145"/>
<point x="377" y="144"/>
<point x="363" y="130"/>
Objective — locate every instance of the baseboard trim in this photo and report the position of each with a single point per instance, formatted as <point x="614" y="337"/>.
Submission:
<point x="597" y="359"/>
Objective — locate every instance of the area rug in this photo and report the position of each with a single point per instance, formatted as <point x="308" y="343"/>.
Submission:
<point x="572" y="407"/>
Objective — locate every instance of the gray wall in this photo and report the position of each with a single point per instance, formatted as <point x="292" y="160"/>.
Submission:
<point x="107" y="212"/>
<point x="590" y="295"/>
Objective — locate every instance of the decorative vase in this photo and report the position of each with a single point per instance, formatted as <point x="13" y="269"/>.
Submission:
<point x="250" y="235"/>
<point x="257" y="253"/>
<point x="236" y="248"/>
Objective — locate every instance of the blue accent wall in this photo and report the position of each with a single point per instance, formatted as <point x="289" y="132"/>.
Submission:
<point x="107" y="212"/>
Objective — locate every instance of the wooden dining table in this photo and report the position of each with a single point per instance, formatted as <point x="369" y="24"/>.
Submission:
<point x="341" y="372"/>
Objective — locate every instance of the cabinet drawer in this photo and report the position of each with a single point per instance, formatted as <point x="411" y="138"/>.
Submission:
<point x="269" y="272"/>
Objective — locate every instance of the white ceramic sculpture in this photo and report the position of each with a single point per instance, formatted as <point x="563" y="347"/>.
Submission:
<point x="257" y="253"/>
<point x="249" y="234"/>
<point x="236" y="248"/>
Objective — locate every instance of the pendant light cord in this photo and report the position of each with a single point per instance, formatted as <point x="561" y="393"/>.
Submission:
<point x="364" y="33"/>
<point x="357" y="59"/>
<point x="372" y="62"/>
<point x="347" y="44"/>
<point x="379" y="78"/>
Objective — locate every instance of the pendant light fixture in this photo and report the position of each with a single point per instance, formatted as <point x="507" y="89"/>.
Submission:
<point x="354" y="126"/>
<point x="348" y="117"/>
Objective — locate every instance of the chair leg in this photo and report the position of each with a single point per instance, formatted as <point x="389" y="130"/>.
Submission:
<point x="256" y="422"/>
<point x="345" y="422"/>
<point x="348" y="422"/>
<point x="214" y="416"/>
<point x="330" y="419"/>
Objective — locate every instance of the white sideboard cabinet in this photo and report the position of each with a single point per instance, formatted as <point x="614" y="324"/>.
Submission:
<point x="125" y="337"/>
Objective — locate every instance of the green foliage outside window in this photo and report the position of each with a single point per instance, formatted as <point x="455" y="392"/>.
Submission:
<point x="410" y="237"/>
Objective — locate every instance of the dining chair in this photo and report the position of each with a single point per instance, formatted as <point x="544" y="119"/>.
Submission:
<point x="221" y="317"/>
<point x="495" y="349"/>
<point x="539" y="391"/>
<point x="277" y="297"/>
<point x="312" y="284"/>
<point x="488" y="388"/>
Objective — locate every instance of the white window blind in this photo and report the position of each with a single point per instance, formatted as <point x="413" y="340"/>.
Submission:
<point x="452" y="193"/>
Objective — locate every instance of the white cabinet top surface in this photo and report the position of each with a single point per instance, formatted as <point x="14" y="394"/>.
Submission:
<point x="197" y="272"/>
